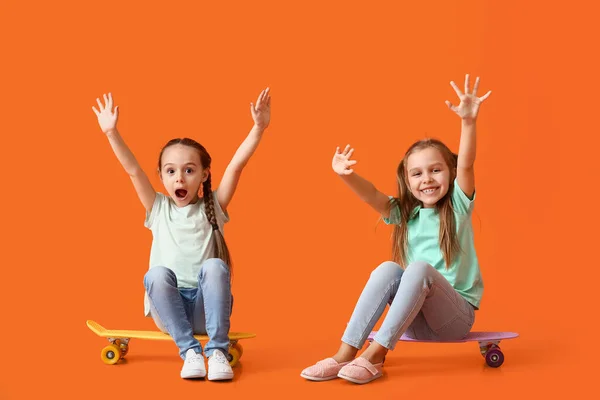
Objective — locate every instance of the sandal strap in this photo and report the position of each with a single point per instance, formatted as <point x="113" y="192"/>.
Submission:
<point x="363" y="362"/>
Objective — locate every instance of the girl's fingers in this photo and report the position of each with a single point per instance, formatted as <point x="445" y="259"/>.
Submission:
<point x="450" y="106"/>
<point x="476" y="86"/>
<point x="467" y="84"/>
<point x="350" y="153"/>
<point x="456" y="89"/>
<point x="116" y="112"/>
<point x="96" y="111"/>
<point x="485" y="96"/>
<point x="348" y="171"/>
<point x="337" y="150"/>
<point x="346" y="149"/>
<point x="266" y="98"/>
<point x="99" y="104"/>
<point x="351" y="162"/>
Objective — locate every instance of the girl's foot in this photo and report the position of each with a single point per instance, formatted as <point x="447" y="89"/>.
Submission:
<point x="218" y="367"/>
<point x="361" y="371"/>
<point x="323" y="370"/>
<point x="193" y="366"/>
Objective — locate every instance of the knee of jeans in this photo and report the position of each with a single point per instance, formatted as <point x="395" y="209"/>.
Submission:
<point x="418" y="268"/>
<point x="214" y="268"/>
<point x="388" y="270"/>
<point x="157" y="275"/>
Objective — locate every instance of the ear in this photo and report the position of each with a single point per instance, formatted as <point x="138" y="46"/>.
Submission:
<point x="205" y="174"/>
<point x="159" y="174"/>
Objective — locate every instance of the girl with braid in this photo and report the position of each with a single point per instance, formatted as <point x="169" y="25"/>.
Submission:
<point x="188" y="283"/>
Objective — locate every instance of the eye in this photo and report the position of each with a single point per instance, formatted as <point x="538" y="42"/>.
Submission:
<point x="436" y="170"/>
<point x="416" y="174"/>
<point x="170" y="171"/>
<point x="189" y="170"/>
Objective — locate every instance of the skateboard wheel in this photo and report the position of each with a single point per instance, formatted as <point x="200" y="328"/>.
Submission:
<point x="239" y="348"/>
<point x="494" y="357"/>
<point x="110" y="354"/>
<point x="234" y="355"/>
<point x="123" y="347"/>
<point x="487" y="347"/>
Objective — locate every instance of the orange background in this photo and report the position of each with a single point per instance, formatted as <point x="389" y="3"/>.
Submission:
<point x="374" y="75"/>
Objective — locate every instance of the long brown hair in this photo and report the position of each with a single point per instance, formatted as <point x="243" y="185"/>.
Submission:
<point x="407" y="204"/>
<point x="220" y="249"/>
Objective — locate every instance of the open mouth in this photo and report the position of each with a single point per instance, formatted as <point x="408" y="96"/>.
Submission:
<point x="181" y="193"/>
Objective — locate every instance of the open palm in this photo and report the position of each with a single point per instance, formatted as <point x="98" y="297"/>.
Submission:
<point x="107" y="119"/>
<point x="341" y="162"/>
<point x="468" y="107"/>
<point x="261" y="111"/>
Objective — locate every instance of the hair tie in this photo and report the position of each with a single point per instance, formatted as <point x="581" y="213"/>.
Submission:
<point x="215" y="227"/>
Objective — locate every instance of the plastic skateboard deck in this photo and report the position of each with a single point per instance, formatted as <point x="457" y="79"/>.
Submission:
<point x="488" y="344"/>
<point x="119" y="341"/>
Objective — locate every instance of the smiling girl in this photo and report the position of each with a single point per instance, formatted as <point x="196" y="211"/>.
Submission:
<point x="434" y="285"/>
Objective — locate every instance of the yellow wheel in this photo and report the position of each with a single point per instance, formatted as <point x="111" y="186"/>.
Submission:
<point x="110" y="354"/>
<point x="239" y="348"/>
<point x="234" y="356"/>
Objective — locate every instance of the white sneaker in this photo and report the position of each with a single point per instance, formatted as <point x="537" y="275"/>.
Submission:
<point x="218" y="367"/>
<point x="193" y="366"/>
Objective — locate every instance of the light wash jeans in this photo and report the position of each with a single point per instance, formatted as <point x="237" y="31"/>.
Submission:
<point x="183" y="312"/>
<point x="422" y="303"/>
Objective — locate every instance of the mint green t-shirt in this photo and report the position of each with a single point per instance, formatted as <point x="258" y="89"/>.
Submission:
<point x="423" y="244"/>
<point x="182" y="238"/>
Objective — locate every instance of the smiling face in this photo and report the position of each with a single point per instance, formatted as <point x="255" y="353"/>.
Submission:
<point x="428" y="176"/>
<point x="182" y="173"/>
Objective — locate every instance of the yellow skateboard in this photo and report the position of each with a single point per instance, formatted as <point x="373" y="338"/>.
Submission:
<point x="119" y="342"/>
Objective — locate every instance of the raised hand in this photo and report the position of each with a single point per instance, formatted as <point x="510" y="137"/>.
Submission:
<point x="107" y="119"/>
<point x="469" y="102"/>
<point x="261" y="112"/>
<point x="341" y="161"/>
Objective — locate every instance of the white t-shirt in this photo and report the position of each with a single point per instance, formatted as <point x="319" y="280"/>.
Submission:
<point x="182" y="238"/>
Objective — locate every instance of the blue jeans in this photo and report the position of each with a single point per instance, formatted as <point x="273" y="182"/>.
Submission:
<point x="183" y="312"/>
<point x="422" y="302"/>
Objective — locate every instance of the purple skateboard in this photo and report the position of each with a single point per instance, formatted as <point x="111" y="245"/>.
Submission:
<point x="488" y="344"/>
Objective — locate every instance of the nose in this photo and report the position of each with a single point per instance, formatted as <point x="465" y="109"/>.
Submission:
<point x="179" y="176"/>
<point x="426" y="178"/>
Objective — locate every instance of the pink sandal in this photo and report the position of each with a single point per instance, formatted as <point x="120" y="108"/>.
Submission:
<point x="361" y="371"/>
<point x="323" y="370"/>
